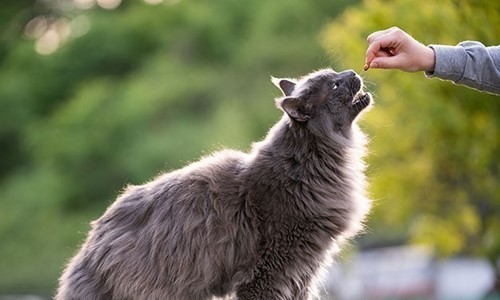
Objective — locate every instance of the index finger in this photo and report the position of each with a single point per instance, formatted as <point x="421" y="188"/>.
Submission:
<point x="374" y="36"/>
<point x="378" y="34"/>
<point x="372" y="50"/>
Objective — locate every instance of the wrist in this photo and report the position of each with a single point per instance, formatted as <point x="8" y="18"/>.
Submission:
<point x="428" y="60"/>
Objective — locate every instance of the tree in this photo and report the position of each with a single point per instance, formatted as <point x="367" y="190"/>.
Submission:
<point x="435" y="146"/>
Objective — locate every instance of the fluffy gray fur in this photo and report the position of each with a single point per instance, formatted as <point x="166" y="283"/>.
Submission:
<point x="250" y="226"/>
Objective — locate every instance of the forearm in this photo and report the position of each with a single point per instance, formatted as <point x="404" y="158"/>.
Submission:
<point x="469" y="63"/>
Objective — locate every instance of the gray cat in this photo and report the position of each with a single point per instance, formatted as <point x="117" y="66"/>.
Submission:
<point x="249" y="226"/>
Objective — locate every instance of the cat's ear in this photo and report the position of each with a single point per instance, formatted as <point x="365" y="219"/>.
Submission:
<point x="294" y="108"/>
<point x="284" y="84"/>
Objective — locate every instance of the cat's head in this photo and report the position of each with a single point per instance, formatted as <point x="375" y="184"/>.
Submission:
<point x="323" y="98"/>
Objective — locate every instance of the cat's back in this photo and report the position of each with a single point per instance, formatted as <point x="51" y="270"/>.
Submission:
<point x="185" y="196"/>
<point x="221" y="167"/>
<point x="203" y="178"/>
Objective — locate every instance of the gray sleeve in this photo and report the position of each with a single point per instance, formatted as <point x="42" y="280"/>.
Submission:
<point x="470" y="64"/>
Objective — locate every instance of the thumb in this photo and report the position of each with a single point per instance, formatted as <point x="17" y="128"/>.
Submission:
<point x="387" y="62"/>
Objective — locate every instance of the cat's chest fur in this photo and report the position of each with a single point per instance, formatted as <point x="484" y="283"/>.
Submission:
<point x="303" y="194"/>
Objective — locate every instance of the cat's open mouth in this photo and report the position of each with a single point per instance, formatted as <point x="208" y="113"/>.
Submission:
<point x="361" y="100"/>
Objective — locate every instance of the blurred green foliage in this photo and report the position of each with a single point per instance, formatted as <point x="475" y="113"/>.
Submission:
<point x="94" y="99"/>
<point x="435" y="146"/>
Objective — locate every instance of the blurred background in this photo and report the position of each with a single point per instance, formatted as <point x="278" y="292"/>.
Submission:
<point x="95" y="94"/>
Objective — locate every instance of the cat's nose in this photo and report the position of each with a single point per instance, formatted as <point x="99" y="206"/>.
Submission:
<point x="348" y="73"/>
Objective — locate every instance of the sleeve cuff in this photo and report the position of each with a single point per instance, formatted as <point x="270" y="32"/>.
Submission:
<point x="450" y="62"/>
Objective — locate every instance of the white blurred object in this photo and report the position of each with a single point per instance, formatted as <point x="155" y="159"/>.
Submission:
<point x="406" y="273"/>
<point x="464" y="278"/>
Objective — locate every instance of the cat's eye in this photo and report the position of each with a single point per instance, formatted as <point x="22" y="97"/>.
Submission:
<point x="335" y="85"/>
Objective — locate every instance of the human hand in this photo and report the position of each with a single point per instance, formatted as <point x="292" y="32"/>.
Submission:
<point x="395" y="49"/>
